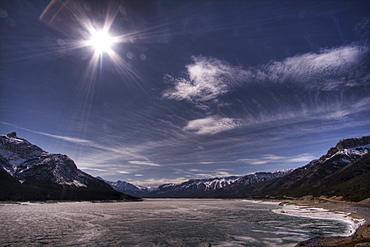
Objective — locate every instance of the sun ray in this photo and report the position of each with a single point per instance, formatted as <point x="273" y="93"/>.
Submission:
<point x="89" y="30"/>
<point x="101" y="41"/>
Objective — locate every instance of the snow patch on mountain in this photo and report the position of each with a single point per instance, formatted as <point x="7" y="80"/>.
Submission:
<point x="192" y="187"/>
<point x="255" y="178"/>
<point x="128" y="188"/>
<point x="25" y="161"/>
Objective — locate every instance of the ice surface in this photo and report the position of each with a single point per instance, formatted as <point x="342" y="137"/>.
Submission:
<point x="159" y="222"/>
<point x="320" y="213"/>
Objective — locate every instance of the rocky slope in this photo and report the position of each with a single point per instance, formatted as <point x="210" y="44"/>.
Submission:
<point x="342" y="171"/>
<point x="29" y="173"/>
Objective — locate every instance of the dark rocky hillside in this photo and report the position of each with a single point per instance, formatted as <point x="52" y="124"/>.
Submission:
<point x="29" y="173"/>
<point x="343" y="171"/>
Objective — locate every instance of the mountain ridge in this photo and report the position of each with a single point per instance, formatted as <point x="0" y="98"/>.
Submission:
<point x="306" y="180"/>
<point x="194" y="187"/>
<point x="343" y="171"/>
<point x="30" y="173"/>
<point x="27" y="172"/>
<point x="191" y="187"/>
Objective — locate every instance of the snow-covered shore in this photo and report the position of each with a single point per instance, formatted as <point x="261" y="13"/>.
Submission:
<point x="356" y="214"/>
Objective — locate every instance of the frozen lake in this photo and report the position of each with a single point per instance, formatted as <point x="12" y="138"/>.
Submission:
<point x="160" y="222"/>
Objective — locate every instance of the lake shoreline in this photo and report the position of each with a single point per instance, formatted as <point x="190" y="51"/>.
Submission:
<point x="356" y="210"/>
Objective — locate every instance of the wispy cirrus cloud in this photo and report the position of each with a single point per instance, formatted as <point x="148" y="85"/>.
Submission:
<point x="59" y="137"/>
<point x="330" y="69"/>
<point x="212" y="125"/>
<point x="267" y="90"/>
<point x="216" y="174"/>
<point x="208" y="78"/>
<point x="151" y="182"/>
<point x="145" y="163"/>
<point x="124" y="172"/>
<point x="271" y="158"/>
<point x="101" y="159"/>
<point x="93" y="169"/>
<point x="301" y="158"/>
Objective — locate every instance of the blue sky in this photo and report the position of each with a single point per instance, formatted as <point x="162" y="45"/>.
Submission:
<point x="187" y="89"/>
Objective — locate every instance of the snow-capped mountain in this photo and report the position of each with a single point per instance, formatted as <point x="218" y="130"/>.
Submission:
<point x="195" y="187"/>
<point x="27" y="161"/>
<point x="328" y="175"/>
<point x="256" y="178"/>
<point x="55" y="174"/>
<point x="128" y="188"/>
<point x="192" y="188"/>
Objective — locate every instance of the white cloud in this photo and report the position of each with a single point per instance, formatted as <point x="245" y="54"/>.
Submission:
<point x="59" y="137"/>
<point x="331" y="69"/>
<point x="123" y="172"/>
<point x="271" y="158"/>
<point x="337" y="114"/>
<point x="302" y="158"/>
<point x="138" y="175"/>
<point x="66" y="138"/>
<point x="92" y="169"/>
<point x="156" y="182"/>
<point x="207" y="78"/>
<point x="212" y="125"/>
<point x="195" y="170"/>
<point x="216" y="174"/>
<point x="137" y="162"/>
<point x="95" y="157"/>
<point x="254" y="161"/>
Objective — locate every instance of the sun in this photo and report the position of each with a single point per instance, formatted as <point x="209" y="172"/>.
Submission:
<point x="101" y="41"/>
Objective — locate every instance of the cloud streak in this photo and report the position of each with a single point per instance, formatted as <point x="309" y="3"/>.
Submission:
<point x="151" y="182"/>
<point x="59" y="137"/>
<point x="115" y="151"/>
<point x="212" y="125"/>
<point x="331" y="69"/>
<point x="271" y="158"/>
<point x="136" y="162"/>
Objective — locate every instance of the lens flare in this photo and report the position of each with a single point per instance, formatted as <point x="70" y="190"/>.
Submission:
<point x="101" y="41"/>
<point x="90" y="32"/>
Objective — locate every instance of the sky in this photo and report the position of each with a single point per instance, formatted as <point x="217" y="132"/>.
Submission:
<point x="154" y="92"/>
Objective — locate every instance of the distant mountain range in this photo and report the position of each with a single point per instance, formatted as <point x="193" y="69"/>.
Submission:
<point x="344" y="171"/>
<point x="194" y="187"/>
<point x="128" y="188"/>
<point x="190" y="188"/>
<point x="29" y="173"/>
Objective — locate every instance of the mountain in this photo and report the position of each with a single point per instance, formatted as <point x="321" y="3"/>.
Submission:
<point x="29" y="173"/>
<point x="249" y="181"/>
<point x="191" y="188"/>
<point x="342" y="171"/>
<point x="352" y="182"/>
<point x="128" y="188"/>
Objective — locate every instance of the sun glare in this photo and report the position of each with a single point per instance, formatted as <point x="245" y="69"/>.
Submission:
<point x="101" y="41"/>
